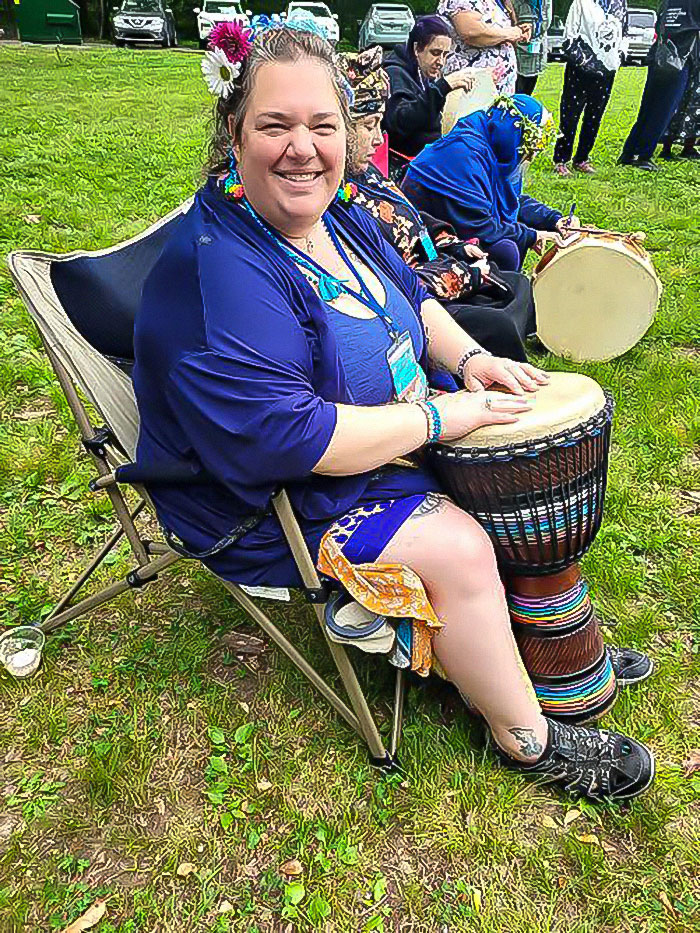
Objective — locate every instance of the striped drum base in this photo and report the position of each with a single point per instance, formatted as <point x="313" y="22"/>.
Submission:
<point x="562" y="649"/>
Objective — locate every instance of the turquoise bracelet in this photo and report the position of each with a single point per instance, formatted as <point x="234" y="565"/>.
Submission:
<point x="433" y="418"/>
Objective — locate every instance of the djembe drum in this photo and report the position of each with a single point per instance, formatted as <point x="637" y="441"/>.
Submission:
<point x="538" y="487"/>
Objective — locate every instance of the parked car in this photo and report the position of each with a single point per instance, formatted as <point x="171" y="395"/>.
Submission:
<point x="385" y="24"/>
<point x="320" y="12"/>
<point x="143" y="21"/>
<point x="555" y="37"/>
<point x="213" y="12"/>
<point x="641" y="29"/>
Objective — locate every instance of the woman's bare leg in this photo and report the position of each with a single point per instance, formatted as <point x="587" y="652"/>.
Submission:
<point x="454" y="558"/>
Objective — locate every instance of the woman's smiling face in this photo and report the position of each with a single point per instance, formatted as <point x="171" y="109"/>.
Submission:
<point x="291" y="153"/>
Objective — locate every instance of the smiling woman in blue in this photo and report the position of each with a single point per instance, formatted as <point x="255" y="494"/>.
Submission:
<point x="259" y="326"/>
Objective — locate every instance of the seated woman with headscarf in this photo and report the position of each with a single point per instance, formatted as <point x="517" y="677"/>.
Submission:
<point x="282" y="342"/>
<point x="496" y="308"/>
<point x="473" y="179"/>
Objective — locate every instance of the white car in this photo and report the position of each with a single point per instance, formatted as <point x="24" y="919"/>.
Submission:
<point x="320" y="12"/>
<point x="214" y="12"/>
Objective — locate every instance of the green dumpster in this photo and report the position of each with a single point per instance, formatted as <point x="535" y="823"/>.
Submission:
<point x="48" y="21"/>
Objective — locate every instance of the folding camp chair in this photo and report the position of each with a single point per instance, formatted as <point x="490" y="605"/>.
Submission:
<point x="84" y="305"/>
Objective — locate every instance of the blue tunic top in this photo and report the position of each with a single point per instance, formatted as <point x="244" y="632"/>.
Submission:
<point x="364" y="343"/>
<point x="237" y="372"/>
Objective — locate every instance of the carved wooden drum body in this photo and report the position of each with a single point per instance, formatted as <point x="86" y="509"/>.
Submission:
<point x="538" y="488"/>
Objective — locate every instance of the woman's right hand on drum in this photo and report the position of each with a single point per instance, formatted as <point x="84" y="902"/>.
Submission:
<point x="544" y="238"/>
<point x="462" y="412"/>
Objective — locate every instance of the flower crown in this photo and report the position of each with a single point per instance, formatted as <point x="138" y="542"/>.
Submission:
<point x="536" y="137"/>
<point x="230" y="45"/>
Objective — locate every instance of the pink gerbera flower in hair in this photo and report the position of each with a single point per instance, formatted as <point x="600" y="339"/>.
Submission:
<point x="233" y="40"/>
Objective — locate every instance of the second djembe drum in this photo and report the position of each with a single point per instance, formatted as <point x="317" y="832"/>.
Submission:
<point x="538" y="487"/>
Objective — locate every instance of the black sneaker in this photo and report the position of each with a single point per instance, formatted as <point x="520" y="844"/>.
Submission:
<point x="646" y="165"/>
<point x="592" y="763"/>
<point x="630" y="666"/>
<point x="627" y="160"/>
<point x="692" y="154"/>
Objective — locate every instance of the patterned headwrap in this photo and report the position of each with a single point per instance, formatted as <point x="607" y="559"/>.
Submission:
<point x="368" y="80"/>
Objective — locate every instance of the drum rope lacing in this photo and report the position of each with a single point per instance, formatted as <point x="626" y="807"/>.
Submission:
<point x="532" y="448"/>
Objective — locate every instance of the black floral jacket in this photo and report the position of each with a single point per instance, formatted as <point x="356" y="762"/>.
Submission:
<point x="450" y="276"/>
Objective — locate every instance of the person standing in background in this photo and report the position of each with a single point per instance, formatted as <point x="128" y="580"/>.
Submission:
<point x="593" y="45"/>
<point x="418" y="90"/>
<point x="670" y="61"/>
<point x="532" y="55"/>
<point x="484" y="38"/>
<point x="685" y="124"/>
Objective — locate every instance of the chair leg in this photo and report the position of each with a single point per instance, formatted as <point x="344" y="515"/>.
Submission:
<point x="134" y="580"/>
<point x="92" y="566"/>
<point x="379" y="756"/>
<point x="399" y="703"/>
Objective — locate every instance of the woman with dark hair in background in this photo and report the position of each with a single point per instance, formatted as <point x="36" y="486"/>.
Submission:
<point x="418" y="90"/>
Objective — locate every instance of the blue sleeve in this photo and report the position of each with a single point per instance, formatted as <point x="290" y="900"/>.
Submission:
<point x="476" y="219"/>
<point x="536" y="215"/>
<point x="245" y="400"/>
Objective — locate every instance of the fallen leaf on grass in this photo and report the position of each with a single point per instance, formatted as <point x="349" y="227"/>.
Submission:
<point x="589" y="838"/>
<point x="692" y="765"/>
<point x="35" y="219"/>
<point x="549" y="822"/>
<point x="89" y="919"/>
<point x="293" y="868"/>
<point x="242" y="644"/>
<point x="571" y="816"/>
<point x="224" y="907"/>
<point x="263" y="785"/>
<point x="476" y="898"/>
<point x="606" y="847"/>
<point x="666" y="901"/>
<point x="186" y="868"/>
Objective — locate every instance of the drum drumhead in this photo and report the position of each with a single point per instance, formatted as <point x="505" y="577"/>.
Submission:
<point x="595" y="300"/>
<point x="461" y="103"/>
<point x="567" y="401"/>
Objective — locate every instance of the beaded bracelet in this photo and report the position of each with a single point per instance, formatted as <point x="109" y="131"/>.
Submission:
<point x="462" y="365"/>
<point x="432" y="416"/>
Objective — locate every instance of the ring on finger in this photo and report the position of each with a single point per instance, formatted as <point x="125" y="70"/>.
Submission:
<point x="488" y="403"/>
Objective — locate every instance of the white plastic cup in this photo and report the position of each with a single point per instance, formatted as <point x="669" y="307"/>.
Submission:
<point x="20" y="650"/>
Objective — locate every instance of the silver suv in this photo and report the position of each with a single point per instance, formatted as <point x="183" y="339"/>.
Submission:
<point x="143" y="21"/>
<point x="385" y="24"/>
<point x="641" y="28"/>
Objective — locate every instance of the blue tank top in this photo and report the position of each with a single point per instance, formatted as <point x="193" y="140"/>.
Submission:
<point x="363" y="344"/>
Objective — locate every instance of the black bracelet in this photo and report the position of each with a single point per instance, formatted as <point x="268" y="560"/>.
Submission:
<point x="462" y="365"/>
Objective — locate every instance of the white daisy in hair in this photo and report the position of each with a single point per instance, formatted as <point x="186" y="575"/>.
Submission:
<point x="219" y="73"/>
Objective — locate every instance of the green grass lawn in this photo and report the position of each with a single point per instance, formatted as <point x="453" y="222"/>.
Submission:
<point x="108" y="752"/>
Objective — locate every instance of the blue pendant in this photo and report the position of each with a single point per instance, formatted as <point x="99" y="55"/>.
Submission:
<point x="329" y="288"/>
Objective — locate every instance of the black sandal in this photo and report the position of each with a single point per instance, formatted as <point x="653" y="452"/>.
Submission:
<point x="592" y="763"/>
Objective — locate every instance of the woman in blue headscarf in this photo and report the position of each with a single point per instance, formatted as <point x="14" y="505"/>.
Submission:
<point x="472" y="178"/>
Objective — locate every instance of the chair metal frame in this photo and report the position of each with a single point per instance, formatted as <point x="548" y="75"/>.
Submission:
<point x="106" y="451"/>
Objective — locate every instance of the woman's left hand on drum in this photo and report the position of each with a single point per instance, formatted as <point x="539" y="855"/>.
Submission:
<point x="482" y="371"/>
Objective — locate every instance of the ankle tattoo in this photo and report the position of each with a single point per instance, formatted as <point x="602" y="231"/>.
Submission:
<point x="527" y="741"/>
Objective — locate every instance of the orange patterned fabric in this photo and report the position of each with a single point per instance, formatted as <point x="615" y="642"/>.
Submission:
<point x="389" y="589"/>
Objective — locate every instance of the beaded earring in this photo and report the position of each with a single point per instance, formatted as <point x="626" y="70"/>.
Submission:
<point x="233" y="186"/>
<point x="347" y="192"/>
